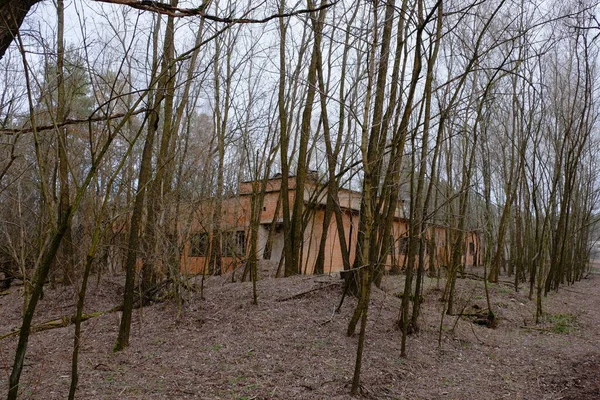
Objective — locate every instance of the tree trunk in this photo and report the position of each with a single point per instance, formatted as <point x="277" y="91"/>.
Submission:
<point x="66" y="256"/>
<point x="159" y="186"/>
<point x="12" y="14"/>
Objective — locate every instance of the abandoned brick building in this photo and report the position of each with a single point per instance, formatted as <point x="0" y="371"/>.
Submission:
<point x="235" y="225"/>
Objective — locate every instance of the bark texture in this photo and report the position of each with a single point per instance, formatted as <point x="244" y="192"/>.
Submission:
<point x="12" y="14"/>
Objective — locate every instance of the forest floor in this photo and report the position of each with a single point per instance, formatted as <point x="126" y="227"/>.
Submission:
<point x="286" y="347"/>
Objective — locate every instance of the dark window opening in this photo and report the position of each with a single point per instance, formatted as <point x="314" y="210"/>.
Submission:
<point x="403" y="248"/>
<point x="240" y="242"/>
<point x="198" y="244"/>
<point x="227" y="244"/>
<point x="267" y="252"/>
<point x="234" y="243"/>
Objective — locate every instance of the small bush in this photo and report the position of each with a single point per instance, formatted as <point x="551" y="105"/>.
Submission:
<point x="562" y="323"/>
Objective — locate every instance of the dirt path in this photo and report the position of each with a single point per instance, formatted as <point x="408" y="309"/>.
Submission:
<point x="226" y="348"/>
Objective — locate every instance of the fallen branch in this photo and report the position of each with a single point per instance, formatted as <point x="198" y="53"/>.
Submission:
<point x="575" y="291"/>
<point x="481" y="313"/>
<point x="480" y="278"/>
<point x="151" y="295"/>
<point x="534" y="328"/>
<point x="61" y="322"/>
<point x="299" y="295"/>
<point x="330" y="318"/>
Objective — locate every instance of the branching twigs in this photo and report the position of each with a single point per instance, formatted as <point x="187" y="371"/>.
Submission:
<point x="302" y="294"/>
<point x="165" y="9"/>
<point x="70" y="121"/>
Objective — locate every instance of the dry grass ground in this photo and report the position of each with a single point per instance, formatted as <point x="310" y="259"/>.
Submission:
<point x="223" y="347"/>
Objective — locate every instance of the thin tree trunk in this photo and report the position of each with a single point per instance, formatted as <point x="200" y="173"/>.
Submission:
<point x="159" y="186"/>
<point x="135" y="224"/>
<point x="67" y="261"/>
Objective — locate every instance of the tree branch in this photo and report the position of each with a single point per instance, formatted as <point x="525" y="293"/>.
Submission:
<point x="67" y="122"/>
<point x="165" y="9"/>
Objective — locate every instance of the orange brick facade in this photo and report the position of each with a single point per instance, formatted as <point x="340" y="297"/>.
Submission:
<point x="235" y="226"/>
